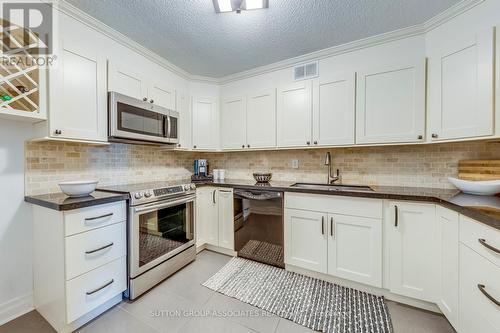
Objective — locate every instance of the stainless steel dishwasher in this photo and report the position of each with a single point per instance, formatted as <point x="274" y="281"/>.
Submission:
<point x="258" y="226"/>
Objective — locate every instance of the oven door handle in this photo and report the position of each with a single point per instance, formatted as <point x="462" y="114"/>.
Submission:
<point x="164" y="204"/>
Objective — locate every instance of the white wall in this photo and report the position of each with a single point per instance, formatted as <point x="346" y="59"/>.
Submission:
<point x="16" y="281"/>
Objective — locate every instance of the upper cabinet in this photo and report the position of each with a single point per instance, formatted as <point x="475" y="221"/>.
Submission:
<point x="261" y="119"/>
<point x="390" y="105"/>
<point x="205" y="123"/>
<point x="461" y="81"/>
<point x="334" y="109"/>
<point x="128" y="81"/>
<point x="249" y="121"/>
<point x="233" y="123"/>
<point x="184" y="109"/>
<point x="77" y="94"/>
<point x="294" y="109"/>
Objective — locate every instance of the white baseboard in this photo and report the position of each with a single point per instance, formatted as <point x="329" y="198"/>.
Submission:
<point x="15" y="308"/>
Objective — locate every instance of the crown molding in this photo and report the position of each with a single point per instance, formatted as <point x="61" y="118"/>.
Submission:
<point x="391" y="36"/>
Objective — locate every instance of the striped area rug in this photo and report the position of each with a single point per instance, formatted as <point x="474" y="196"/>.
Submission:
<point x="316" y="304"/>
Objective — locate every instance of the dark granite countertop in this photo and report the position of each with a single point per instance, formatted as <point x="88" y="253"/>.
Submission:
<point x="60" y="201"/>
<point x="484" y="209"/>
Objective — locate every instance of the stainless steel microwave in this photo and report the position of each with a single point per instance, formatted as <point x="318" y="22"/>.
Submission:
<point x="135" y="121"/>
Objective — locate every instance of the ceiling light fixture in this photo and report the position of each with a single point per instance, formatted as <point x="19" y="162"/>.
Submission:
<point x="224" y="6"/>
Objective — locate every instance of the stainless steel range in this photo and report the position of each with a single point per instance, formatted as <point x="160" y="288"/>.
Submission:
<point x="161" y="235"/>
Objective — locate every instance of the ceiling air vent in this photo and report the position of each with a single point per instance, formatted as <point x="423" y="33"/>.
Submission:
<point x="306" y="71"/>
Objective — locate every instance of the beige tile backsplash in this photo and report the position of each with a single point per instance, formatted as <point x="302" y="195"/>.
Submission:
<point x="48" y="163"/>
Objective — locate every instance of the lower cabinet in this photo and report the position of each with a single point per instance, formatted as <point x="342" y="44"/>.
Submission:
<point x="412" y="246"/>
<point x="448" y="226"/>
<point x="346" y="246"/>
<point x="214" y="217"/>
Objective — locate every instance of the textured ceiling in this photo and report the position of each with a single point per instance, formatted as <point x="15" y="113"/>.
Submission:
<point x="192" y="36"/>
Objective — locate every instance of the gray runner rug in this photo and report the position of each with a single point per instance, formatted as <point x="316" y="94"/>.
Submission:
<point x="316" y="304"/>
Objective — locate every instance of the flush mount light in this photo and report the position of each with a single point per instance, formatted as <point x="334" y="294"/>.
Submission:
<point x="224" y="6"/>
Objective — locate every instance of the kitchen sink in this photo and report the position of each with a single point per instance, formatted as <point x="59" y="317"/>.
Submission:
<point x="332" y="187"/>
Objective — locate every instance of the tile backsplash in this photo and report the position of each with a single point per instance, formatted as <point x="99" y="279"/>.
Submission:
<point x="48" y="163"/>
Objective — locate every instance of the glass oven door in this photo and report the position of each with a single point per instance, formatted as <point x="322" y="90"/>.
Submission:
<point x="159" y="231"/>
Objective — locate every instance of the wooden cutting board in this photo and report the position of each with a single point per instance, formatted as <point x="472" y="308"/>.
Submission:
<point x="479" y="169"/>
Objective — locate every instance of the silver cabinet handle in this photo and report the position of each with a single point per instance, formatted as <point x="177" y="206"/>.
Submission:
<point x="98" y="217"/>
<point x="322" y="225"/>
<point x="100" y="288"/>
<point x="482" y="289"/>
<point x="434" y="136"/>
<point x="331" y="226"/>
<point x="482" y="241"/>
<point x="213" y="196"/>
<point x="100" y="249"/>
<point x="396" y="216"/>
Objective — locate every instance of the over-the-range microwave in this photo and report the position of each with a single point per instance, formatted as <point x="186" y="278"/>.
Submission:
<point x="135" y="121"/>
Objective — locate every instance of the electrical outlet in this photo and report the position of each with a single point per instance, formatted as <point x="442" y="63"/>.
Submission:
<point x="295" y="164"/>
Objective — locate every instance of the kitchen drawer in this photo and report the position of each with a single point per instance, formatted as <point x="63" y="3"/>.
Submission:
<point x="88" y="291"/>
<point x="335" y="204"/>
<point x="478" y="237"/>
<point x="104" y="244"/>
<point x="89" y="218"/>
<point x="477" y="312"/>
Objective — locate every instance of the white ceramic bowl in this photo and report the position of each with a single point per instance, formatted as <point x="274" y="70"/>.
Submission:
<point x="78" y="188"/>
<point x="486" y="187"/>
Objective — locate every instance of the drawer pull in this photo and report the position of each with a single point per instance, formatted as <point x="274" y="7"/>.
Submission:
<point x="98" y="217"/>
<point x="100" y="288"/>
<point x="482" y="288"/>
<point x="100" y="249"/>
<point x="488" y="246"/>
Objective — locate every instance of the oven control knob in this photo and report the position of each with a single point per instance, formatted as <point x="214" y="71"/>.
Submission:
<point x="138" y="195"/>
<point x="148" y="194"/>
<point x="187" y="187"/>
<point x="193" y="186"/>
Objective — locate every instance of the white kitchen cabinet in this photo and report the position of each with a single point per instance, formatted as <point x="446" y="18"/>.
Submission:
<point x="233" y="123"/>
<point x="448" y="262"/>
<point x="390" y="104"/>
<point x="226" y="219"/>
<point x="461" y="81"/>
<point x="205" y="123"/>
<point x="355" y="248"/>
<point x="306" y="240"/>
<point x="261" y="119"/>
<point x="184" y="109"/>
<point x="413" y="259"/>
<point x="162" y="94"/>
<point x="294" y="110"/>
<point x="77" y="94"/>
<point x="479" y="280"/>
<point x="334" y="109"/>
<point x="207" y="216"/>
<point x="215" y="217"/>
<point x="127" y="80"/>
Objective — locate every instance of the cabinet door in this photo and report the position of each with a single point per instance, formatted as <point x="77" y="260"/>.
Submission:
<point x="207" y="216"/>
<point x="448" y="240"/>
<point x="204" y="123"/>
<point x="334" y="109"/>
<point x="461" y="88"/>
<point x="413" y="249"/>
<point x="306" y="239"/>
<point x="390" y="104"/>
<point x="162" y="94"/>
<point x="261" y="119"/>
<point x="233" y="123"/>
<point x="78" y="96"/>
<point x="355" y="248"/>
<point x="226" y="219"/>
<point x="184" y="108"/>
<point x="295" y="115"/>
<point x="125" y="80"/>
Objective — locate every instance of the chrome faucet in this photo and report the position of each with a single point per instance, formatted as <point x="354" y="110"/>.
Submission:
<point x="331" y="178"/>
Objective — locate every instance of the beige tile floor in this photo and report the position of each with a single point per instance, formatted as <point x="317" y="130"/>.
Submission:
<point x="156" y="311"/>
